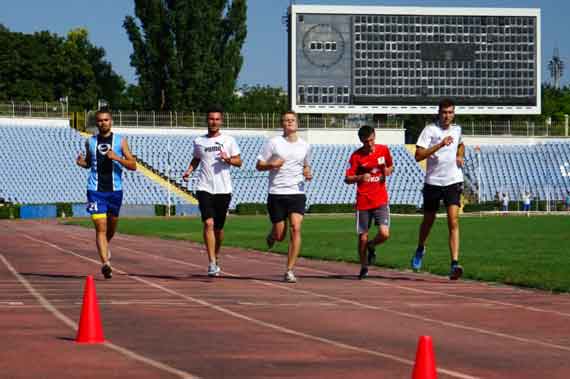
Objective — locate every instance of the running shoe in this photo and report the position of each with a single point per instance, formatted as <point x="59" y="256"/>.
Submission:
<point x="417" y="259"/>
<point x="363" y="273"/>
<point x="270" y="241"/>
<point x="107" y="271"/>
<point x="213" y="270"/>
<point x="290" y="277"/>
<point x="455" y="272"/>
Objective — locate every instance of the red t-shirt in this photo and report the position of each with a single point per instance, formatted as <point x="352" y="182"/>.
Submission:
<point x="372" y="194"/>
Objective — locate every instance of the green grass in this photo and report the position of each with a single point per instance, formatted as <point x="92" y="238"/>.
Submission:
<point x="530" y="252"/>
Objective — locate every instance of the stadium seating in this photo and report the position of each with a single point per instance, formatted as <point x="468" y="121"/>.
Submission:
<point x="542" y="169"/>
<point x="37" y="166"/>
<point x="171" y="154"/>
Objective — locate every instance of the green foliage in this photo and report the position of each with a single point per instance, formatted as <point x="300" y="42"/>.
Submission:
<point x="260" y="99"/>
<point x="187" y="53"/>
<point x="9" y="211"/>
<point x="64" y="208"/>
<point x="160" y="210"/>
<point x="481" y="207"/>
<point x="251" y="209"/>
<point x="45" y="67"/>
<point x="349" y="208"/>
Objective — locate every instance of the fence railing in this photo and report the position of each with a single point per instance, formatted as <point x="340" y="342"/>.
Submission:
<point x="39" y="110"/>
<point x="515" y="128"/>
<point x="152" y="119"/>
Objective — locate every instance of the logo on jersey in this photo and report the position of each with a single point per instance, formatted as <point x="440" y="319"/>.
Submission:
<point x="381" y="160"/>
<point x="103" y="148"/>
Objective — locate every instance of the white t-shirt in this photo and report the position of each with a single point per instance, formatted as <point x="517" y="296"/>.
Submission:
<point x="213" y="173"/>
<point x="442" y="169"/>
<point x="288" y="179"/>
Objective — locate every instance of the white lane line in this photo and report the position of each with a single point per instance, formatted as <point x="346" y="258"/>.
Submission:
<point x="67" y="321"/>
<point x="417" y="290"/>
<point x="278" y="328"/>
<point x="374" y="307"/>
<point x="134" y="238"/>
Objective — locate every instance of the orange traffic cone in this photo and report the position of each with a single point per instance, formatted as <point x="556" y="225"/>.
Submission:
<point x="425" y="360"/>
<point x="90" y="329"/>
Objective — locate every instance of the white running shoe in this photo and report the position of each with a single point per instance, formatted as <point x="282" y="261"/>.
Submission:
<point x="290" y="277"/>
<point x="213" y="270"/>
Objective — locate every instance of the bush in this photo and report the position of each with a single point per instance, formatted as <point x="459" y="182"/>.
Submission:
<point x="251" y="209"/>
<point x="160" y="209"/>
<point x="64" y="208"/>
<point x="331" y="208"/>
<point x="10" y="211"/>
<point x="481" y="207"/>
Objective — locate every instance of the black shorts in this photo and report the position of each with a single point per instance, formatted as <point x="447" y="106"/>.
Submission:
<point x="281" y="206"/>
<point x="451" y="195"/>
<point x="214" y="206"/>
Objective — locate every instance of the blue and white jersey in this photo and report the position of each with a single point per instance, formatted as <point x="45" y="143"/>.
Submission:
<point x="105" y="174"/>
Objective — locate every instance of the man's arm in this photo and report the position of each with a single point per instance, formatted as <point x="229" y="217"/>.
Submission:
<point x="127" y="160"/>
<point x="460" y="157"/>
<point x="232" y="161"/>
<point x="84" y="162"/>
<point x="423" y="153"/>
<point x="191" y="167"/>
<point x="271" y="164"/>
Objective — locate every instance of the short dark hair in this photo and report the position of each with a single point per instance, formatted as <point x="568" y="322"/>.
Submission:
<point x="288" y="112"/>
<point x="446" y="103"/>
<point x="365" y="131"/>
<point x="104" y="110"/>
<point x="215" y="108"/>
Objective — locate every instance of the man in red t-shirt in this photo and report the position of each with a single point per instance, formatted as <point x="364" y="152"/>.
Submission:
<point x="369" y="167"/>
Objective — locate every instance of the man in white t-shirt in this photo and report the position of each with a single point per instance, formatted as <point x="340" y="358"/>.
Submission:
<point x="214" y="154"/>
<point x="441" y="144"/>
<point x="286" y="157"/>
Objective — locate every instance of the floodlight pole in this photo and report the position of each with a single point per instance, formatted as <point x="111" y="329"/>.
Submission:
<point x="168" y="176"/>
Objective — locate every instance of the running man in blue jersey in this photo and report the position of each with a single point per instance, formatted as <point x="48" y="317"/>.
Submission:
<point x="106" y="155"/>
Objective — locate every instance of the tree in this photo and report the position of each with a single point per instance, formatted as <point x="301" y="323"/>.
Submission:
<point x="260" y="99"/>
<point x="187" y="53"/>
<point x="45" y="67"/>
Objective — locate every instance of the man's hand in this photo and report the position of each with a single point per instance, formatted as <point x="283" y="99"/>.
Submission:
<point x="112" y="155"/>
<point x="225" y="157"/>
<point x="446" y="141"/>
<point x="307" y="173"/>
<point x="276" y="163"/>
<point x="186" y="175"/>
<point x="365" y="177"/>
<point x="81" y="162"/>
<point x="460" y="161"/>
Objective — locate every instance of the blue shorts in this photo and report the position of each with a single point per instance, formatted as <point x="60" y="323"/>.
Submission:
<point x="99" y="204"/>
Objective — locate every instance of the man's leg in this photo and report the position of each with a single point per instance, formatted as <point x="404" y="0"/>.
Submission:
<point x="295" y="222"/>
<point x="209" y="239"/>
<point x="100" y="223"/>
<point x="425" y="227"/>
<point x="219" y="237"/>
<point x="112" y="222"/>
<point x="456" y="271"/>
<point x="453" y="226"/>
<point x="363" y="248"/>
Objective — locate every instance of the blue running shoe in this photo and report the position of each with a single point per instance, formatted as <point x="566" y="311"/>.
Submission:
<point x="455" y="272"/>
<point x="417" y="259"/>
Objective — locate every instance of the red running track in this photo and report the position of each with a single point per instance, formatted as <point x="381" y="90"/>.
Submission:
<point x="163" y="317"/>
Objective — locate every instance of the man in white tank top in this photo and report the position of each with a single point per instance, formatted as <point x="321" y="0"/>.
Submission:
<point x="286" y="157"/>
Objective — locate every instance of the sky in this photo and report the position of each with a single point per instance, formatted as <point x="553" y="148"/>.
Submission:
<point x="265" y="49"/>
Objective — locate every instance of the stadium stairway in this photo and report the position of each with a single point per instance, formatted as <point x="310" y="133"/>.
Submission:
<point x="412" y="150"/>
<point x="142" y="167"/>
